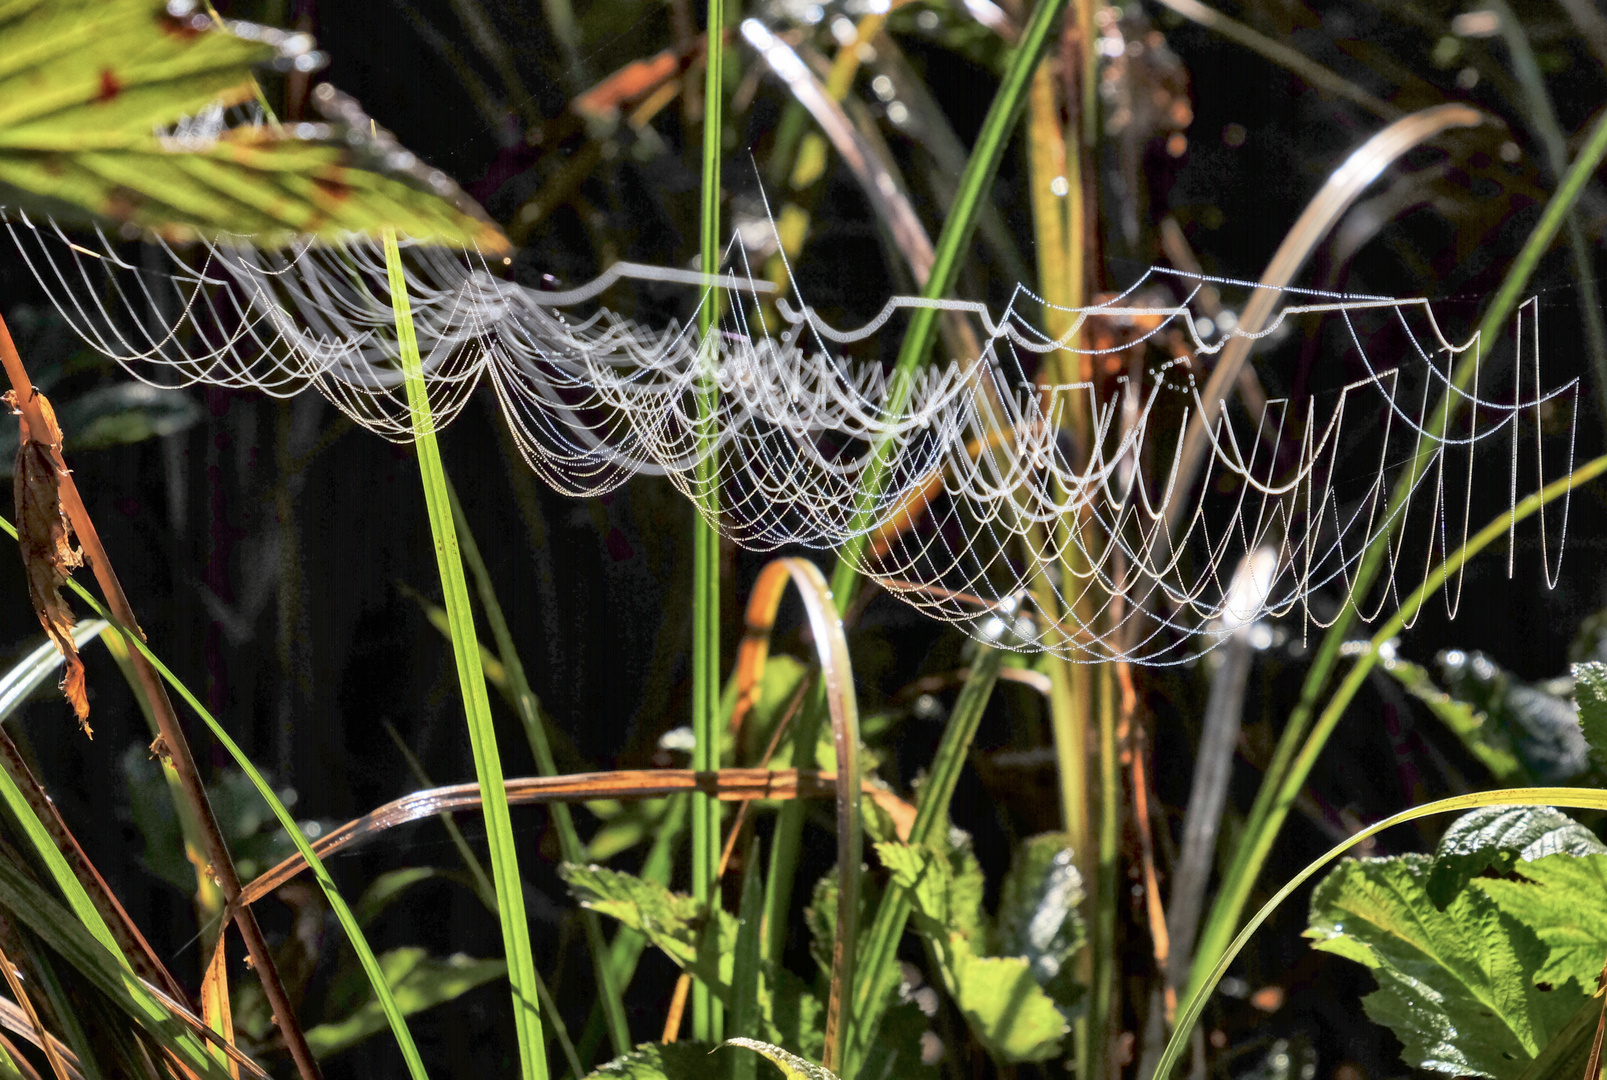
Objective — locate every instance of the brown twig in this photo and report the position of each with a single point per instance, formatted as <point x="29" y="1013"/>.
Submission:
<point x="177" y="747"/>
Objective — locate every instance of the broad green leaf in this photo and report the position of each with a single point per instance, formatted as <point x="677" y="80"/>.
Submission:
<point x="1564" y="899"/>
<point x="1482" y="737"/>
<point x="1538" y="719"/>
<point x="659" y="1061"/>
<point x="98" y="67"/>
<point x="945" y="887"/>
<point x="1456" y="985"/>
<point x="1038" y="917"/>
<point x="418" y="981"/>
<point x="1003" y="1004"/>
<point x="1590" y="691"/>
<point x="1497" y="838"/>
<point x="791" y="1013"/>
<point x="669" y="920"/>
<point x="792" y="1067"/>
<point x="85" y="84"/>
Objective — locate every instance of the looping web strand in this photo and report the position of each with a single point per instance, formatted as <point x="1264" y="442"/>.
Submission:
<point x="986" y="503"/>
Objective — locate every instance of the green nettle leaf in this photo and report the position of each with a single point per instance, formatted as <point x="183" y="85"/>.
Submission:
<point x="1590" y="691"/>
<point x="791" y="1066"/>
<point x="1001" y="998"/>
<point x="1537" y="721"/>
<point x="1458" y="985"/>
<point x="658" y="1061"/>
<point x="419" y="981"/>
<point x="1564" y="898"/>
<point x="85" y="86"/>
<point x="1038" y="917"/>
<point x="1483" y="738"/>
<point x="1498" y="838"/>
<point x="669" y="920"/>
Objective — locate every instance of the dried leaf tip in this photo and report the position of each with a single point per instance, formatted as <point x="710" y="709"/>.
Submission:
<point x="46" y="540"/>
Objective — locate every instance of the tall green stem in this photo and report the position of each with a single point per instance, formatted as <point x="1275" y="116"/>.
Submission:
<point x="706" y="1019"/>
<point x="471" y="680"/>
<point x="1268" y="812"/>
<point x="953" y="243"/>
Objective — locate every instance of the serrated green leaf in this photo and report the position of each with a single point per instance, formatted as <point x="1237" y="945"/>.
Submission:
<point x="1483" y="739"/>
<point x="945" y="886"/>
<point x="1038" y="918"/>
<point x="658" y="1061"/>
<point x="1538" y="719"/>
<point x="84" y="86"/>
<point x="1590" y="691"/>
<point x="1002" y="1003"/>
<point x="1563" y="898"/>
<point x="102" y="66"/>
<point x="1456" y="985"/>
<point x="669" y="920"/>
<point x="1497" y="838"/>
<point x="418" y="981"/>
<point x="792" y="1066"/>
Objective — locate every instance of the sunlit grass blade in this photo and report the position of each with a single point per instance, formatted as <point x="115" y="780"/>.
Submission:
<point x="953" y="242"/>
<point x="706" y="1019"/>
<point x="1571" y="798"/>
<point x="1268" y="812"/>
<point x="60" y="929"/>
<point x="878" y="967"/>
<point x="471" y="680"/>
<point x="488" y="895"/>
<point x="535" y="728"/>
<point x="745" y="973"/>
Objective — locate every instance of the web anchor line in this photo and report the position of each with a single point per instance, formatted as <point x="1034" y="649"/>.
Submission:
<point x="987" y="511"/>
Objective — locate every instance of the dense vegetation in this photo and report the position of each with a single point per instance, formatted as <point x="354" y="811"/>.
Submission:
<point x="1052" y="858"/>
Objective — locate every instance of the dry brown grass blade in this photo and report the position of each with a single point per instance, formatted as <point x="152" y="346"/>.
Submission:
<point x="123" y="928"/>
<point x="831" y="647"/>
<point x="1343" y="186"/>
<point x="677" y="1009"/>
<point x="217" y="851"/>
<point x="44" y="1041"/>
<point x="24" y="1066"/>
<point x="1593" y="1066"/>
<point x="215" y="1009"/>
<point x="45" y="538"/>
<point x="727" y="785"/>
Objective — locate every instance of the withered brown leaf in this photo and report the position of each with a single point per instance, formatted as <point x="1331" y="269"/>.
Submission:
<point x="46" y="538"/>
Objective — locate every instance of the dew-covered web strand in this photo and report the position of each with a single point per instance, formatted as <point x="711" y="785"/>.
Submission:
<point x="977" y="470"/>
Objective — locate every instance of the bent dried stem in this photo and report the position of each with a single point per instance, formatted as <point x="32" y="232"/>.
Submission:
<point x="174" y="742"/>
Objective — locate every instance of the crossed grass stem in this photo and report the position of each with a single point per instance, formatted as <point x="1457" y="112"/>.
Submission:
<point x="172" y="734"/>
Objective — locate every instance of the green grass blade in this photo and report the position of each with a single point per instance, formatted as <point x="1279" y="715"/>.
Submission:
<point x="952" y="243"/>
<point x="471" y="680"/>
<point x="1266" y="817"/>
<point x="745" y="973"/>
<point x="878" y="960"/>
<point x="337" y="903"/>
<point x="706" y="1019"/>
<point x="535" y="728"/>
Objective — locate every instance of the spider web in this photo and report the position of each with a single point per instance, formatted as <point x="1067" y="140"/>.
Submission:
<point x="962" y="490"/>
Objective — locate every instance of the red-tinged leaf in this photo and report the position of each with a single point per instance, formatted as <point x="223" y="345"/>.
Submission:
<point x="45" y="538"/>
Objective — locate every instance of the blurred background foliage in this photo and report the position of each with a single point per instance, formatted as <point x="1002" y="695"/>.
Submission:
<point x="275" y="557"/>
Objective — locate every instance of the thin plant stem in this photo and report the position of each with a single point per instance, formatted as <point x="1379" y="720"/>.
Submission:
<point x="1266" y="815"/>
<point x="337" y="903"/>
<point x="471" y="681"/>
<point x="953" y="242"/>
<point x="706" y="1019"/>
<point x="878" y="967"/>
<point x="172" y="734"/>
<point x="535" y="729"/>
